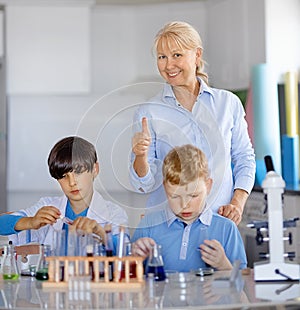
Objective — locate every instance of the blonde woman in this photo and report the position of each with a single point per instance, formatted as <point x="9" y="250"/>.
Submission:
<point x="189" y="111"/>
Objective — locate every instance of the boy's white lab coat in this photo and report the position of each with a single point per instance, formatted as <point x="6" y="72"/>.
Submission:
<point x="101" y="210"/>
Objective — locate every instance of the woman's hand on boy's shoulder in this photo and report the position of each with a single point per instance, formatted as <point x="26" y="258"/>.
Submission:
<point x="142" y="246"/>
<point x="232" y="212"/>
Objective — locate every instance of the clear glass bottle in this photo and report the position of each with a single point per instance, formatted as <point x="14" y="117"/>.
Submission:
<point x="10" y="268"/>
<point x="42" y="267"/>
<point x="156" y="264"/>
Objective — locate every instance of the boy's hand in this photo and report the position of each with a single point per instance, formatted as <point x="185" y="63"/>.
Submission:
<point x="142" y="247"/>
<point x="44" y="216"/>
<point x="88" y="226"/>
<point x="212" y="253"/>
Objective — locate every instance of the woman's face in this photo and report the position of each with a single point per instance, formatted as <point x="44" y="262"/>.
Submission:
<point x="177" y="66"/>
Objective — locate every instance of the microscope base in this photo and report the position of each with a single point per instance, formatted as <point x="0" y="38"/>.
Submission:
<point x="276" y="271"/>
<point x="277" y="290"/>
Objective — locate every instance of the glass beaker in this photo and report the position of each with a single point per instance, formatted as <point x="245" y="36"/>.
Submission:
<point x="59" y="247"/>
<point x="42" y="267"/>
<point x="156" y="264"/>
<point x="10" y="269"/>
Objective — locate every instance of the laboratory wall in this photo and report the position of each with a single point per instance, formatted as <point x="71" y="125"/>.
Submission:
<point x="122" y="75"/>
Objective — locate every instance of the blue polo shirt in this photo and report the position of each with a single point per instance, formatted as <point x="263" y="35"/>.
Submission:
<point x="180" y="242"/>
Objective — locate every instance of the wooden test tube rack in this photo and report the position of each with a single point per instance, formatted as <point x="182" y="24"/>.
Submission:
<point x="56" y="262"/>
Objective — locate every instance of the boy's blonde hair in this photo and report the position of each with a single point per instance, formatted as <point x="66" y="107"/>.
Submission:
<point x="185" y="37"/>
<point x="184" y="164"/>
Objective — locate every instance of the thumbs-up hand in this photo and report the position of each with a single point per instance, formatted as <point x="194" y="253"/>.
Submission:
<point x="142" y="140"/>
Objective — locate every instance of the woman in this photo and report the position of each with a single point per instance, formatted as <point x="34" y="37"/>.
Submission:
<point x="186" y="111"/>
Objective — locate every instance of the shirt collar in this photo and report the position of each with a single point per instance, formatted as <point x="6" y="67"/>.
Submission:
<point x="205" y="217"/>
<point x="204" y="87"/>
<point x="170" y="216"/>
<point x="168" y="90"/>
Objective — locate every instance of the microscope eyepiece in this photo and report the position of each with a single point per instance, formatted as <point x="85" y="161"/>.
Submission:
<point x="269" y="163"/>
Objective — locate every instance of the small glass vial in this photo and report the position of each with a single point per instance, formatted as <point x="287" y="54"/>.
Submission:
<point x="90" y="253"/>
<point x="42" y="267"/>
<point x="109" y="246"/>
<point x="156" y="264"/>
<point x="132" y="265"/>
<point x="10" y="268"/>
<point x="99" y="250"/>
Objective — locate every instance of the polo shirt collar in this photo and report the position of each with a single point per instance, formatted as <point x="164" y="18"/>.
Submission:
<point x="205" y="217"/>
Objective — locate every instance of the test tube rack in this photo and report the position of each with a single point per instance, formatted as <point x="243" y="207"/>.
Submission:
<point x="71" y="266"/>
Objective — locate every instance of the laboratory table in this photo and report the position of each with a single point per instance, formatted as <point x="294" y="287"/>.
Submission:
<point x="207" y="292"/>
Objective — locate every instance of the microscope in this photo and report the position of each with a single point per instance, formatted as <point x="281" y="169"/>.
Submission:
<point x="275" y="268"/>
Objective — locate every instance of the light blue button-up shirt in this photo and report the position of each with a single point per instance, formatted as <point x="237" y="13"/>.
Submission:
<point x="180" y="242"/>
<point x="216" y="125"/>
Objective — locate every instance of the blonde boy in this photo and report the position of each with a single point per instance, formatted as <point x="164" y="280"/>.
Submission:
<point x="178" y="226"/>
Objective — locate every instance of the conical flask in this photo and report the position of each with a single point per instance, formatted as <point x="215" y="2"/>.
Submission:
<point x="156" y="264"/>
<point x="10" y="269"/>
<point x="42" y="267"/>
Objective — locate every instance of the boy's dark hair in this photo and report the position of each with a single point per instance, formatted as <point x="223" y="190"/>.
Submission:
<point x="71" y="154"/>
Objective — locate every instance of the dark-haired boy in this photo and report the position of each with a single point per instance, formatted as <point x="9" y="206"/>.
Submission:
<point x="73" y="163"/>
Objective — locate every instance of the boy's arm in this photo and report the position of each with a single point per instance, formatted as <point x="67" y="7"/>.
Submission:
<point x="44" y="216"/>
<point x="8" y="223"/>
<point x="12" y="224"/>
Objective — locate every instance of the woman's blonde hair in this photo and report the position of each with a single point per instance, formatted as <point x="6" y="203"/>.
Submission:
<point x="186" y="37"/>
<point x="184" y="164"/>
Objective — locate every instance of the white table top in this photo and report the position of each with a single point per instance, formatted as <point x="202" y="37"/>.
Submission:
<point x="198" y="292"/>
